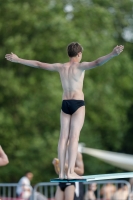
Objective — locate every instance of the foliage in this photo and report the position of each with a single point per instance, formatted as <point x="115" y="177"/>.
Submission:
<point x="30" y="99"/>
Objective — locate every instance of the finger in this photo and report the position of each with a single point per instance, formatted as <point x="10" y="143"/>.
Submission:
<point x="9" y="58"/>
<point x="8" y="54"/>
<point x="121" y="51"/>
<point x="121" y="48"/>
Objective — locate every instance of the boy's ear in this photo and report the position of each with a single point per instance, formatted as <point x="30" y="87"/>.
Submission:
<point x="78" y="54"/>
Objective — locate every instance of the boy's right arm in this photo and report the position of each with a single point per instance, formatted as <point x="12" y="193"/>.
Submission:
<point x="3" y="158"/>
<point x="32" y="63"/>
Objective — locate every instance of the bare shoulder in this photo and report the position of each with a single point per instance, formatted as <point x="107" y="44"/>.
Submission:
<point x="80" y="66"/>
<point x="58" y="66"/>
<point x="68" y="64"/>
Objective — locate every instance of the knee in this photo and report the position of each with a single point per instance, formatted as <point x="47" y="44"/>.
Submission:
<point x="63" y="140"/>
<point x="74" y="137"/>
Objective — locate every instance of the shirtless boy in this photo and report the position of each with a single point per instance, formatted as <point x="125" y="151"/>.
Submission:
<point x="65" y="191"/>
<point x="3" y="157"/>
<point x="73" y="107"/>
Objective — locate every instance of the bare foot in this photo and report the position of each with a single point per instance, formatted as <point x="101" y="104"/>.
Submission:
<point x="73" y="176"/>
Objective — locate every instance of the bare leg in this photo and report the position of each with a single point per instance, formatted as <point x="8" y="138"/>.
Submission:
<point x="77" y="121"/>
<point x="62" y="145"/>
<point x="59" y="194"/>
<point x="69" y="192"/>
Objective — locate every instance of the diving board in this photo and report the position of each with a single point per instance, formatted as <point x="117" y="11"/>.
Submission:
<point x="92" y="178"/>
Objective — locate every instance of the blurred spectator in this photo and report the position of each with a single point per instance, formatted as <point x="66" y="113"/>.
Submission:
<point x="107" y="191"/>
<point x="131" y="183"/>
<point x="122" y="193"/>
<point x="90" y="195"/>
<point x="37" y="196"/>
<point x="131" y="196"/>
<point x="79" y="191"/>
<point x="3" y="158"/>
<point x="24" y="189"/>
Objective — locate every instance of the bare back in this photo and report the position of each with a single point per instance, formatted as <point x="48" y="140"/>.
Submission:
<point x="72" y="81"/>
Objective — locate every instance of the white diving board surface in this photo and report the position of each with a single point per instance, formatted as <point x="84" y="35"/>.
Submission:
<point x="92" y="178"/>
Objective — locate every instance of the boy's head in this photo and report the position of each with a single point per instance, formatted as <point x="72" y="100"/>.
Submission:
<point x="29" y="175"/>
<point x="73" y="49"/>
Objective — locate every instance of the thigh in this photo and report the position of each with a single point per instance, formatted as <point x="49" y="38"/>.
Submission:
<point x="65" y="124"/>
<point x="59" y="194"/>
<point x="69" y="192"/>
<point x="77" y="120"/>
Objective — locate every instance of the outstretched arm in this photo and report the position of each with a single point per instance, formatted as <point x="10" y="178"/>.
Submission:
<point x="32" y="63"/>
<point x="100" y="61"/>
<point x="3" y="157"/>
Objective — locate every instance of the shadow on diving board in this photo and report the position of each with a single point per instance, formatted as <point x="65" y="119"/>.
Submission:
<point x="95" y="177"/>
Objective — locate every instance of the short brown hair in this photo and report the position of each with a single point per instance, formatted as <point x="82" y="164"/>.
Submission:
<point x="73" y="49"/>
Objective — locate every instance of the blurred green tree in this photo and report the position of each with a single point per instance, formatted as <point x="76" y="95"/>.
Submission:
<point x="30" y="99"/>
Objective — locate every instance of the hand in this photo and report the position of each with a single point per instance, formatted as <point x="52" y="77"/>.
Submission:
<point x="117" y="50"/>
<point x="12" y="57"/>
<point x="55" y="161"/>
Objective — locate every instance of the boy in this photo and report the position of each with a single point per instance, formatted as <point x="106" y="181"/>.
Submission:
<point x="73" y="106"/>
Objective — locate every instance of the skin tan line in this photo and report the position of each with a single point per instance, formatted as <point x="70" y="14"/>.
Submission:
<point x="72" y="76"/>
